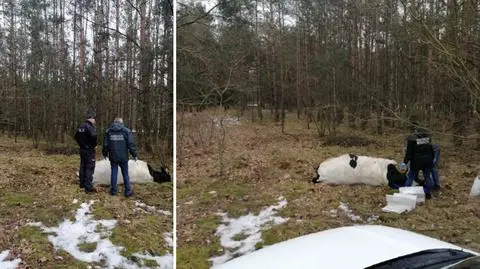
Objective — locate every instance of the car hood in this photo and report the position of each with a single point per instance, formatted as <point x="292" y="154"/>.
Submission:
<point x="346" y="247"/>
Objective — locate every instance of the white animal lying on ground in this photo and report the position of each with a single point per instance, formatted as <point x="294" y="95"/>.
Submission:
<point x="139" y="172"/>
<point x="352" y="169"/>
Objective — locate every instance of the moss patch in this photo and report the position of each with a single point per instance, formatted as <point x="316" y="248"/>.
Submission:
<point x="87" y="247"/>
<point x="194" y="257"/>
<point x="17" y="199"/>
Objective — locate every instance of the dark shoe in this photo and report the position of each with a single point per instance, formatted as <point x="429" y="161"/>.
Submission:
<point x="82" y="186"/>
<point x="428" y="196"/>
<point x="112" y="193"/>
<point x="420" y="182"/>
<point x="129" y="194"/>
<point x="436" y="188"/>
<point x="93" y="190"/>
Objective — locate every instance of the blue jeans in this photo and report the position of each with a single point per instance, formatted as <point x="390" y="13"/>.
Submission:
<point x="435" y="177"/>
<point x="427" y="174"/>
<point x="126" y="179"/>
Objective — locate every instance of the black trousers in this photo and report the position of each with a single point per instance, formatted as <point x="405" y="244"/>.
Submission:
<point x="87" y="167"/>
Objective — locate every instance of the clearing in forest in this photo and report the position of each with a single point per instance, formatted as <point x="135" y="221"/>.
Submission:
<point x="242" y="168"/>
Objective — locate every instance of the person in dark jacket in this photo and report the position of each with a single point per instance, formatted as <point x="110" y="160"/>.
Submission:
<point x="421" y="157"/>
<point x="117" y="143"/>
<point x="86" y="137"/>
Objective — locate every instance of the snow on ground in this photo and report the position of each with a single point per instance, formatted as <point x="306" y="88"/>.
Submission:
<point x="226" y="121"/>
<point x="69" y="235"/>
<point x="142" y="207"/>
<point x="343" y="208"/>
<point x="8" y="264"/>
<point x="239" y="236"/>
<point x="373" y="218"/>
<point x="168" y="237"/>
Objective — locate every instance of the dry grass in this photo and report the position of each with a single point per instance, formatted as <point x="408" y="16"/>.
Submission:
<point x="262" y="164"/>
<point x="35" y="186"/>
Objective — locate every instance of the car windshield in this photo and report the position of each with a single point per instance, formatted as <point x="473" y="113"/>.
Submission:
<point x="469" y="263"/>
<point x="426" y="259"/>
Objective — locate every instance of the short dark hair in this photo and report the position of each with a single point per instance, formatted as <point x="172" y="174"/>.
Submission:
<point x="421" y="130"/>
<point x="91" y="115"/>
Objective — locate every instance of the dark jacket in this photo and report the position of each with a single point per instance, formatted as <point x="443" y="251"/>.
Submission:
<point x="86" y="136"/>
<point x="419" y="151"/>
<point x="117" y="142"/>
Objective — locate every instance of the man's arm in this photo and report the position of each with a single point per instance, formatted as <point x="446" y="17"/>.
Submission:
<point x="77" y="137"/>
<point x="409" y="151"/>
<point x="92" y="131"/>
<point x="131" y="144"/>
<point x="105" y="145"/>
<point x="436" y="152"/>
<point x="432" y="151"/>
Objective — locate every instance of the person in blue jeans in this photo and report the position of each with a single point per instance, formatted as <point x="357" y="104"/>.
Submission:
<point x="421" y="157"/>
<point x="117" y="143"/>
<point x="435" y="177"/>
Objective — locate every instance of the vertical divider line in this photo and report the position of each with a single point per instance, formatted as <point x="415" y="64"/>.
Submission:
<point x="174" y="176"/>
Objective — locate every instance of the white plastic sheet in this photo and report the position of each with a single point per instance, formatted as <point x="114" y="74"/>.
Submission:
<point x="475" y="187"/>
<point x="137" y="171"/>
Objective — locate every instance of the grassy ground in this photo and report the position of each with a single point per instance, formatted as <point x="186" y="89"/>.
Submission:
<point x="36" y="186"/>
<point x="260" y="164"/>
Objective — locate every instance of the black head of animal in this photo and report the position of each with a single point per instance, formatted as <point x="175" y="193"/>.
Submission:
<point x="316" y="176"/>
<point x="353" y="160"/>
<point x="395" y="178"/>
<point x="159" y="176"/>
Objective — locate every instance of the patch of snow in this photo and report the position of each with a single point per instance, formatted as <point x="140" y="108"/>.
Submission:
<point x="74" y="201"/>
<point x="164" y="212"/>
<point x="168" y="237"/>
<point x="142" y="207"/>
<point x="249" y="229"/>
<point x="332" y="213"/>
<point x="226" y="121"/>
<point x="68" y="235"/>
<point x="8" y="264"/>
<point x="188" y="203"/>
<point x="213" y="192"/>
<point x="344" y="207"/>
<point x="373" y="218"/>
<point x="35" y="224"/>
<point x="164" y="261"/>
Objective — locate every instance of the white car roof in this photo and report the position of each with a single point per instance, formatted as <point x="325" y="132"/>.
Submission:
<point x="346" y="247"/>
